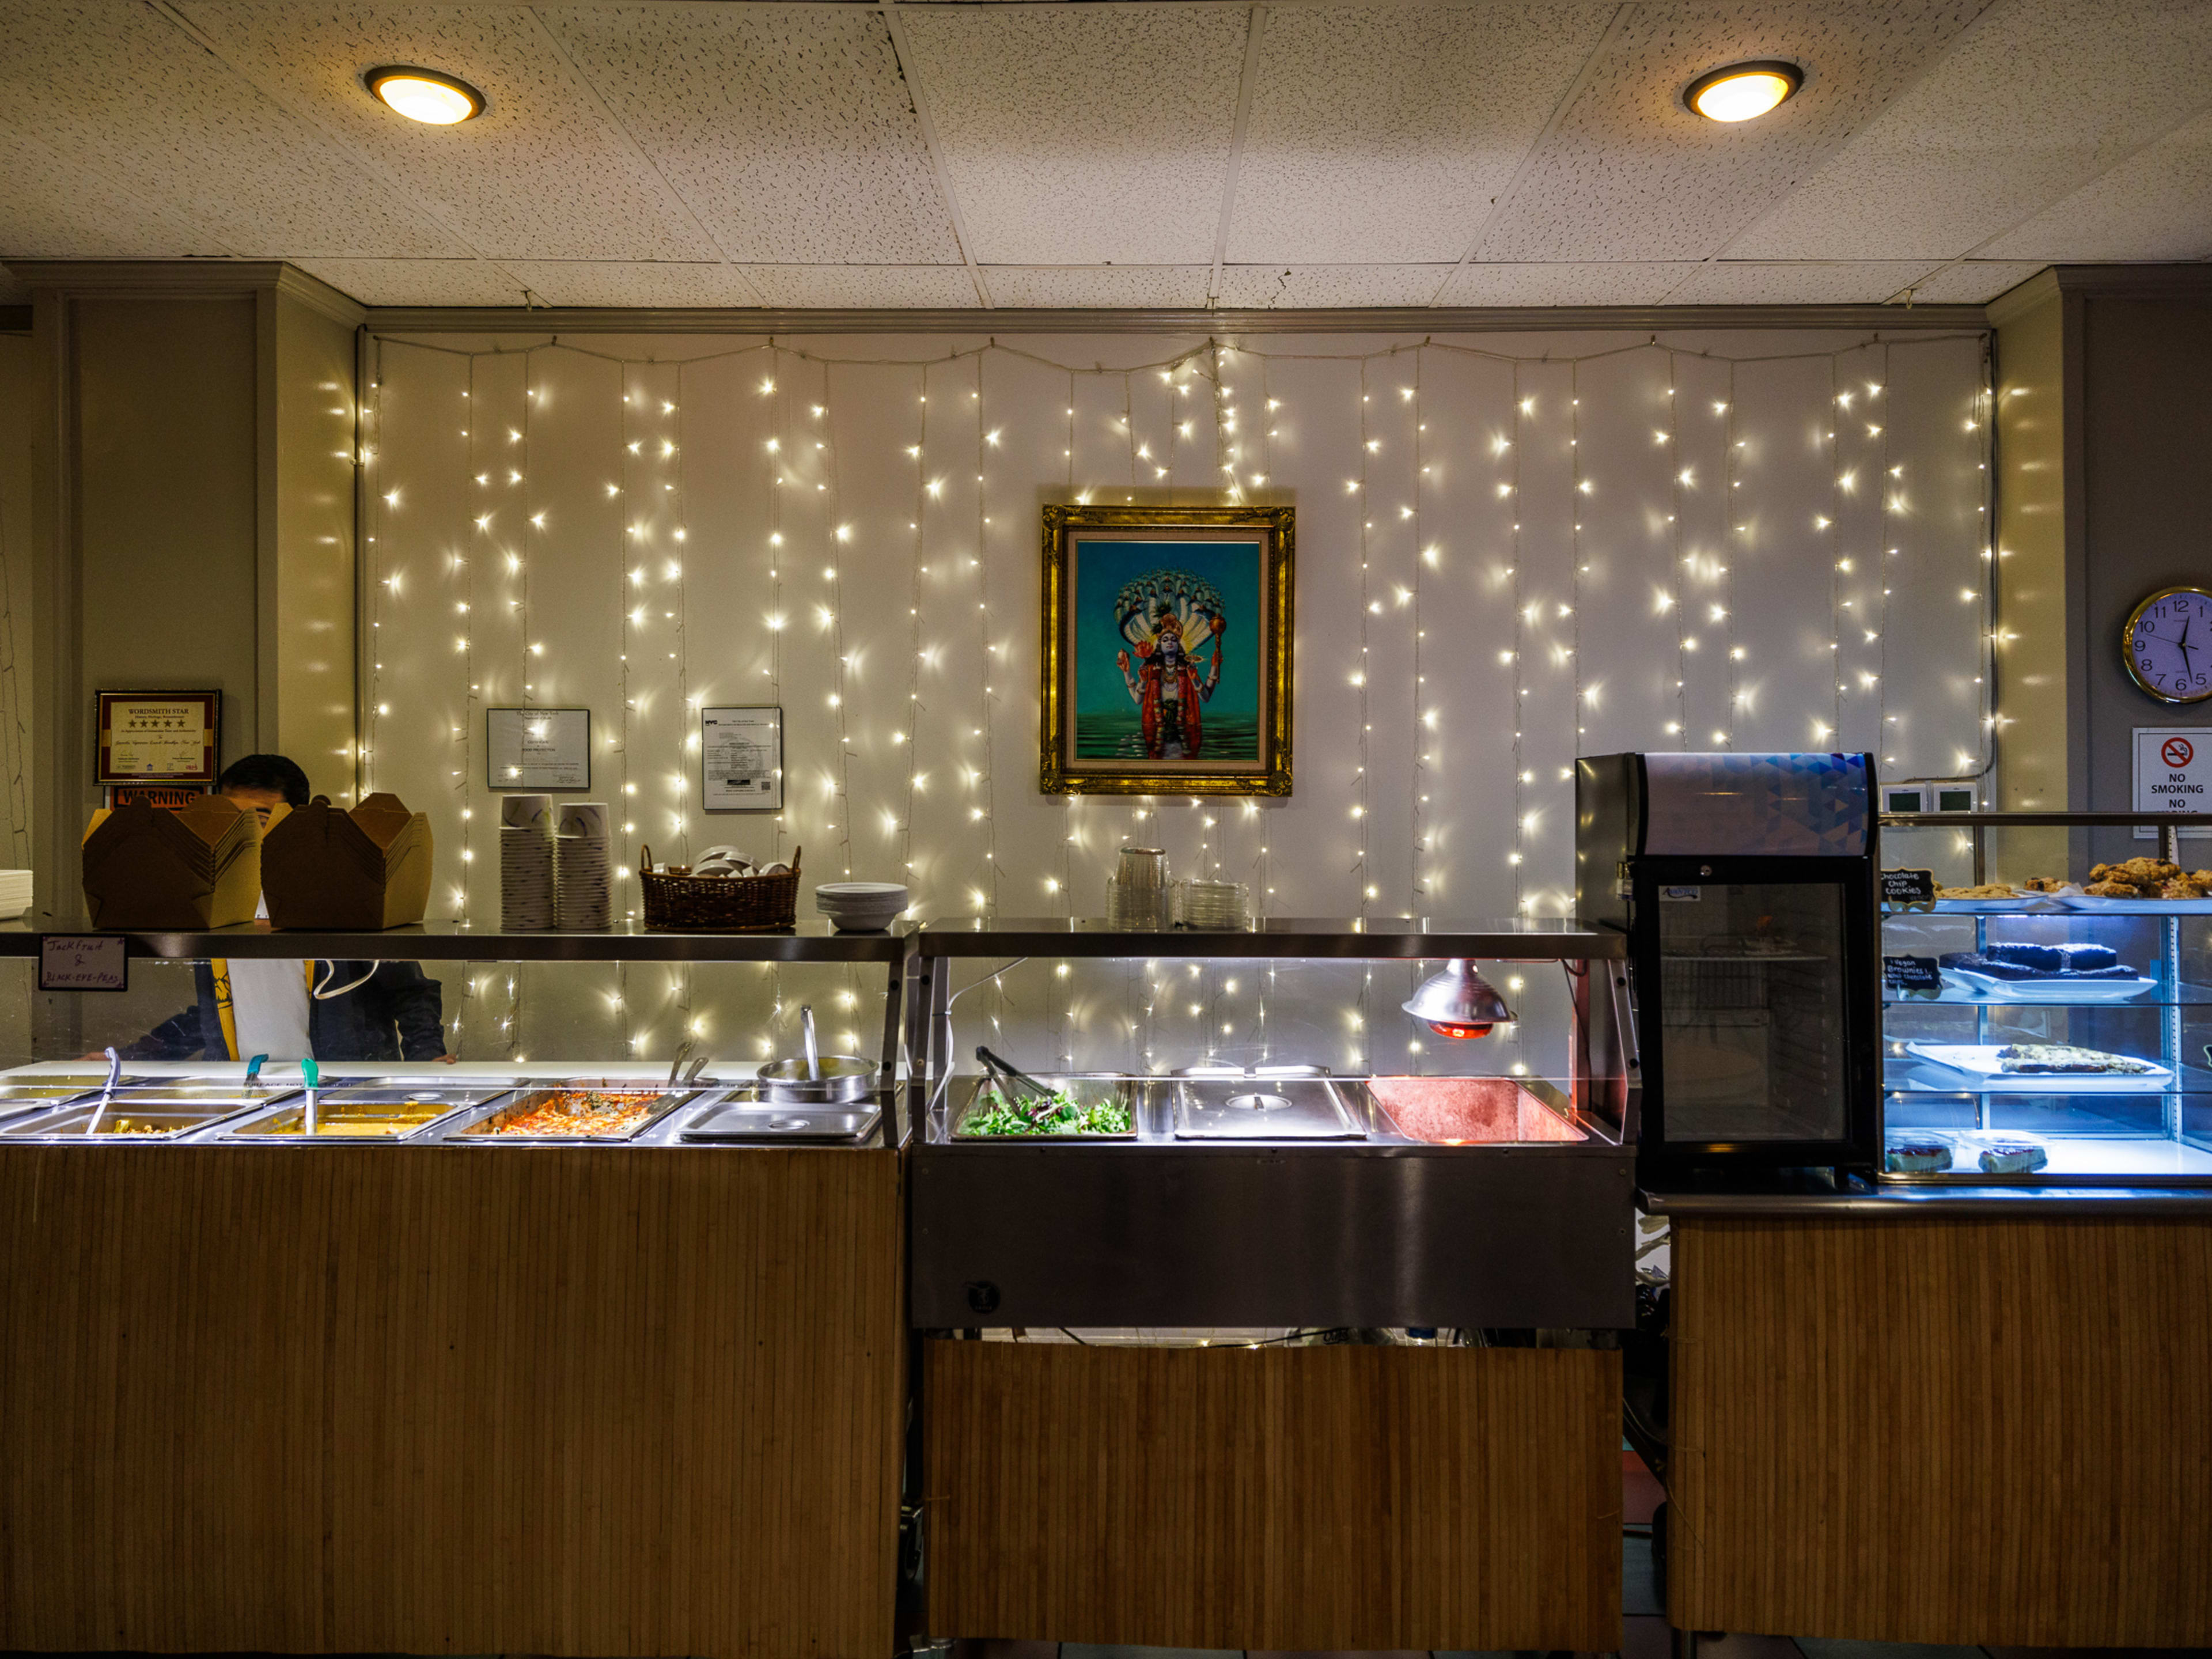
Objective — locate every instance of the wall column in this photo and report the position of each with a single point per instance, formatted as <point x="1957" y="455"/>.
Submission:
<point x="194" y="476"/>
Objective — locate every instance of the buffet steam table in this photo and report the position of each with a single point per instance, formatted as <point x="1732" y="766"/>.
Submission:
<point x="630" y="1400"/>
<point x="1153" y="1490"/>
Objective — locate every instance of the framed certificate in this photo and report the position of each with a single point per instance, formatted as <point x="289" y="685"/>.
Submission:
<point x="537" y="748"/>
<point x="742" y="759"/>
<point x="159" y="737"/>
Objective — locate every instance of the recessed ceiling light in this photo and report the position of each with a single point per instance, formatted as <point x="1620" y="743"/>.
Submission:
<point x="421" y="94"/>
<point x="1743" y="90"/>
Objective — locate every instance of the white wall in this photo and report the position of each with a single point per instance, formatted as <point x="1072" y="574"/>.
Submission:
<point x="626" y="560"/>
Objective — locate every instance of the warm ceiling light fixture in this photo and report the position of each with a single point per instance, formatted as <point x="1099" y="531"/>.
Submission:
<point x="421" y="94"/>
<point x="1743" y="90"/>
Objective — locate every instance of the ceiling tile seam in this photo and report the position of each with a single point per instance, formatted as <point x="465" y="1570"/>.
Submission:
<point x="1503" y="201"/>
<point x="334" y="142"/>
<point x="121" y="185"/>
<point x="1835" y="146"/>
<point x="917" y="94"/>
<point x="583" y="83"/>
<point x="1695" y="268"/>
<point x="1905" y="294"/>
<point x="1255" y="24"/>
<point x="2194" y="113"/>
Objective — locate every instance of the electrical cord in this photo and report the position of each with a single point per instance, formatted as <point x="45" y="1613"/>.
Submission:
<point x="323" y="994"/>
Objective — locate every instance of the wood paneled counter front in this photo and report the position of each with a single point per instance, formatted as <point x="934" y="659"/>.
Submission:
<point x="621" y="1402"/>
<point x="1301" y="1498"/>
<point x="1975" y="1423"/>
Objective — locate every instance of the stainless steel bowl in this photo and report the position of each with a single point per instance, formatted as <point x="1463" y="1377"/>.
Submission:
<point x="844" y="1076"/>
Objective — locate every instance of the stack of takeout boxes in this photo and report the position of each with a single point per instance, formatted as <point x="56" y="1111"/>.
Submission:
<point x="368" y="868"/>
<point x="189" y="867"/>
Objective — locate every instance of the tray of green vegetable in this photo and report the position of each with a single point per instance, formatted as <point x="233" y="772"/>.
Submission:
<point x="1078" y="1108"/>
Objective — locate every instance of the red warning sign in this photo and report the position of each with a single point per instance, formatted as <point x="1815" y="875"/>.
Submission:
<point x="2177" y="752"/>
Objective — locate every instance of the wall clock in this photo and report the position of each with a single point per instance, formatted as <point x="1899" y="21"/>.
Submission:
<point x="2168" y="645"/>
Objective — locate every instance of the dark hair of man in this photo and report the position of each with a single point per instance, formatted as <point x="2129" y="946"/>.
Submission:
<point x="278" y="772"/>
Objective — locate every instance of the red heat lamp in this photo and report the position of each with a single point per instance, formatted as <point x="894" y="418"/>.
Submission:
<point x="1459" y="1003"/>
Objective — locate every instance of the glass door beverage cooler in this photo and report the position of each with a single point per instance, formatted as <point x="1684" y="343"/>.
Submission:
<point x="1746" y="885"/>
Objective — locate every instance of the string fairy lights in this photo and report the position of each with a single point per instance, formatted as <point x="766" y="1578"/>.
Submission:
<point x="887" y="737"/>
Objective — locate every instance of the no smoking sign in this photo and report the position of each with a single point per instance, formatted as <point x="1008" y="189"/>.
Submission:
<point x="2173" y="774"/>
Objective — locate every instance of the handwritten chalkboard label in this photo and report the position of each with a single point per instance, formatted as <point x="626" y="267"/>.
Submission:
<point x="1908" y="886"/>
<point x="1910" y="973"/>
<point x="76" y="961"/>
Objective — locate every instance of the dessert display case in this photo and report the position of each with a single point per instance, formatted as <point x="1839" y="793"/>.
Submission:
<point x="1279" y="1141"/>
<point x="2045" y="1012"/>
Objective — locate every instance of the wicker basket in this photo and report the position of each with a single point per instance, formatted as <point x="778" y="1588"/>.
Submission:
<point x="718" y="904"/>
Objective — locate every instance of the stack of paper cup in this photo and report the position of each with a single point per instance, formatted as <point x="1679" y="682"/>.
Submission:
<point x="583" y="867"/>
<point x="526" y="863"/>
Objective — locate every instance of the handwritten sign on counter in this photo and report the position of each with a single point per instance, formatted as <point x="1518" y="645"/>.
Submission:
<point x="78" y="962"/>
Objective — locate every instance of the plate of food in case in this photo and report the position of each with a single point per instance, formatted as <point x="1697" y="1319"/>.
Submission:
<point x="1914" y="1152"/>
<point x="2147" y="886"/>
<point x="2044" y="973"/>
<point x="2043" y="1067"/>
<point x="1993" y="898"/>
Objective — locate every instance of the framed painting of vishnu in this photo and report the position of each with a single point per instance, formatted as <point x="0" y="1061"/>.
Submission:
<point x="1167" y="650"/>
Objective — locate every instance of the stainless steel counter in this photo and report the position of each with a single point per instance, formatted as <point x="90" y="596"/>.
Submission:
<point x="448" y="941"/>
<point x="1510" y="939"/>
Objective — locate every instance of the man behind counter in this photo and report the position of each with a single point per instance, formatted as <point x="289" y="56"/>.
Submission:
<point x="292" y="1009"/>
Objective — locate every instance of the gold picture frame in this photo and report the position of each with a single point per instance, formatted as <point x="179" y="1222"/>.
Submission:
<point x="1145" y="689"/>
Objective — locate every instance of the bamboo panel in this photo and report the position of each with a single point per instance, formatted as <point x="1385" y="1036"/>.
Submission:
<point x="1286" y="1497"/>
<point x="1943" y="1430"/>
<point x="564" y="1402"/>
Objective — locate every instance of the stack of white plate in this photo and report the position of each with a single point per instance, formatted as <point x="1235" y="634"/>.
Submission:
<point x="583" y="867"/>
<point x="526" y="864"/>
<point x="14" y="893"/>
<point x="860" y="907"/>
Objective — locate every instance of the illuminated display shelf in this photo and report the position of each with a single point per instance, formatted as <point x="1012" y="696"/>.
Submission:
<point x="1943" y="1085"/>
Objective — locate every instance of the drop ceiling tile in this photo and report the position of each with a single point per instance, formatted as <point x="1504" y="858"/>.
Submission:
<point x="839" y="286"/>
<point x="1381" y="135"/>
<point x="133" y="100"/>
<point x="418" y="282"/>
<point x="2157" y="204"/>
<point x="1627" y="172"/>
<point x="788" y="131"/>
<point x="1971" y="282"/>
<point x="1084" y="135"/>
<point x="632" y="283"/>
<point x="543" y="173"/>
<point x="54" y="208"/>
<point x="1277" y="287"/>
<point x="1097" y="285"/>
<point x="1748" y="282"/>
<point x="1633" y="285"/>
<point x="2034" y="101"/>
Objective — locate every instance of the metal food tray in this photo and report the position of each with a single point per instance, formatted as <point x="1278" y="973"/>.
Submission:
<point x="489" y="1129"/>
<point x="1222" y="1107"/>
<point x="181" y="1109"/>
<point x="359" y="1102"/>
<point x="20" y="1096"/>
<point x="743" y="1116"/>
<point x="1089" y="1088"/>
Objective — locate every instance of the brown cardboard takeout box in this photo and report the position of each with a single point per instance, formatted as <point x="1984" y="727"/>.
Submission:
<point x="188" y="868"/>
<point x="325" y="867"/>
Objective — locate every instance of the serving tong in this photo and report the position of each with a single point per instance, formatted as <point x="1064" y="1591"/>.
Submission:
<point x="106" y="1092"/>
<point x="680" y="1076"/>
<point x="1009" y="1080"/>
